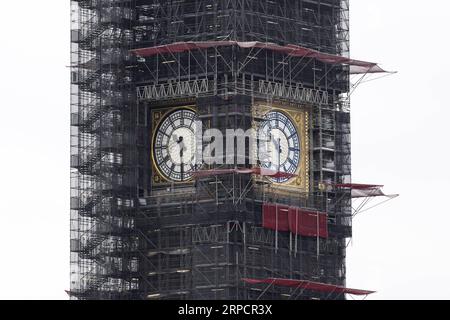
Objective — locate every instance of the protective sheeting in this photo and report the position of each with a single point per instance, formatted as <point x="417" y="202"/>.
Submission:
<point x="298" y="221"/>
<point x="308" y="223"/>
<point x="356" y="66"/>
<point x="309" y="285"/>
<point x="256" y="171"/>
<point x="276" y="217"/>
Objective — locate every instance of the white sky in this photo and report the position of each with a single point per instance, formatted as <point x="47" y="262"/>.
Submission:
<point x="400" y="139"/>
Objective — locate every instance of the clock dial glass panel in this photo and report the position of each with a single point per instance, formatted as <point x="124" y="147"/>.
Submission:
<point x="281" y="145"/>
<point x="174" y="146"/>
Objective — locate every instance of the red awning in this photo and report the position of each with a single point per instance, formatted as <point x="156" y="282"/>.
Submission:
<point x="358" y="186"/>
<point x="257" y="171"/>
<point x="309" y="285"/>
<point x="273" y="174"/>
<point x="356" y="66"/>
<point x="219" y="172"/>
<point x="364" y="190"/>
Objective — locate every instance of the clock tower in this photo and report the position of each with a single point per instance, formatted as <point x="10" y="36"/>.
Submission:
<point x="162" y="207"/>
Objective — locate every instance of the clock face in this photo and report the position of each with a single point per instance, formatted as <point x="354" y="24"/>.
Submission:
<point x="281" y="145"/>
<point x="174" y="146"/>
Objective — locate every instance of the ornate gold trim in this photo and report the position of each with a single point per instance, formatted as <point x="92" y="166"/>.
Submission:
<point x="300" y="116"/>
<point x="158" y="116"/>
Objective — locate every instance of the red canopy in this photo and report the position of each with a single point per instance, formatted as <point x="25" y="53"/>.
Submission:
<point x="273" y="174"/>
<point x="309" y="285"/>
<point x="257" y="171"/>
<point x="358" y="186"/>
<point x="356" y="66"/>
<point x="220" y="172"/>
<point x="364" y="190"/>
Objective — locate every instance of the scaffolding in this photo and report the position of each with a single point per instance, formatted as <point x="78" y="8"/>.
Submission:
<point x="134" y="239"/>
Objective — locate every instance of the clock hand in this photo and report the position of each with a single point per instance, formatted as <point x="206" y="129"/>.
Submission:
<point x="277" y="145"/>
<point x="177" y="145"/>
<point x="279" y="154"/>
<point x="175" y="141"/>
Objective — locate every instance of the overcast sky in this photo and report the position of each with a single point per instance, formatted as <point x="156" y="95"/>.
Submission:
<point x="400" y="139"/>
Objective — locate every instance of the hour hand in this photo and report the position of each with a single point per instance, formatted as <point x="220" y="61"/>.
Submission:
<point x="276" y="142"/>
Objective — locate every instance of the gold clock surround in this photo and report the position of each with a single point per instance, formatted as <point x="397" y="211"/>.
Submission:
<point x="158" y="116"/>
<point x="300" y="117"/>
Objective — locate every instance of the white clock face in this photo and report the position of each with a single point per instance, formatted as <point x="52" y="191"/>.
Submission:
<point x="282" y="145"/>
<point x="174" y="146"/>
